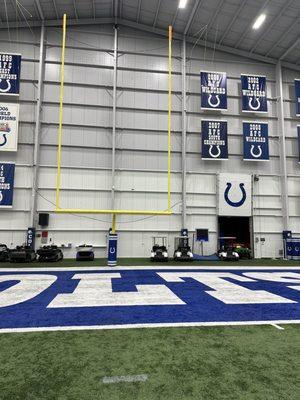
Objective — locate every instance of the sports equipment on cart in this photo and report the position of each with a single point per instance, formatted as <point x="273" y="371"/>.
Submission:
<point x="22" y="254"/>
<point x="50" y="253"/>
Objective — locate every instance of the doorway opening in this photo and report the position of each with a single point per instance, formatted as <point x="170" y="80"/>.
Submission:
<point x="238" y="231"/>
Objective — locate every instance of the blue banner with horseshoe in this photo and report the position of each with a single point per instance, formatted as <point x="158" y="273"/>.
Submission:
<point x="213" y="90"/>
<point x="10" y="68"/>
<point x="254" y="93"/>
<point x="214" y="140"/>
<point x="256" y="141"/>
<point x="297" y="96"/>
<point x="7" y="174"/>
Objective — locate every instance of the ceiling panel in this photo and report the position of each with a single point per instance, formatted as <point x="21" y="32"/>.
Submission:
<point x="228" y="20"/>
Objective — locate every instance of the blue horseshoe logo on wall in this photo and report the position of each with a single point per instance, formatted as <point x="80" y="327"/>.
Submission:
<point x="4" y="130"/>
<point x="7" y="88"/>
<point x="4" y="140"/>
<point x="237" y="203"/>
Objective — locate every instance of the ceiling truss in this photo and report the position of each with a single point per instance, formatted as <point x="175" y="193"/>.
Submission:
<point x="212" y="23"/>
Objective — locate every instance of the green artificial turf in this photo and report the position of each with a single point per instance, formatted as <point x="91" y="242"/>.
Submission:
<point x="146" y="261"/>
<point x="211" y="363"/>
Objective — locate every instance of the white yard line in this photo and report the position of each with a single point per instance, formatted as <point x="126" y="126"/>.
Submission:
<point x="130" y="268"/>
<point x="157" y="325"/>
<point x="125" y="378"/>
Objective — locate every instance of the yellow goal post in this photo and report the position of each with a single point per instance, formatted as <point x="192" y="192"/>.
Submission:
<point x="58" y="209"/>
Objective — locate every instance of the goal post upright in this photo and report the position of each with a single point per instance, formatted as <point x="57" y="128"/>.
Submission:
<point x="114" y="212"/>
<point x="61" y="105"/>
<point x="169" y="115"/>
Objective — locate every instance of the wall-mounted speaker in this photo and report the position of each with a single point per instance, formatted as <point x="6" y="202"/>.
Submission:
<point x="43" y="219"/>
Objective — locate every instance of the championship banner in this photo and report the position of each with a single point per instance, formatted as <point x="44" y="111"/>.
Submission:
<point x="7" y="174"/>
<point x="297" y="96"/>
<point x="10" y="68"/>
<point x="214" y="140"/>
<point x="254" y="93"/>
<point x="213" y="90"/>
<point x="256" y="141"/>
<point x="9" y="123"/>
<point x="235" y="195"/>
<point x="298" y="130"/>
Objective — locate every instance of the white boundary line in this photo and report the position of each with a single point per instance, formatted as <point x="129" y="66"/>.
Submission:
<point x="158" y="325"/>
<point x="132" y="268"/>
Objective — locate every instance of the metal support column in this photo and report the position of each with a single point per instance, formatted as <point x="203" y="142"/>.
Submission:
<point x="183" y="137"/>
<point x="113" y="164"/>
<point x="37" y="131"/>
<point x="282" y="147"/>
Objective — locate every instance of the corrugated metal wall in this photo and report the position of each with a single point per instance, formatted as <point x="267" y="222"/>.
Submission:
<point x="141" y="155"/>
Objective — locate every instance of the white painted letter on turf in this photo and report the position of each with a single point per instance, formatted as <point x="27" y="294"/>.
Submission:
<point x="28" y="286"/>
<point x="225" y="291"/>
<point x="95" y="290"/>
<point x="284" y="277"/>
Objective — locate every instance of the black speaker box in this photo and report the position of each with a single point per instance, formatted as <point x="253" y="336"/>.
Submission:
<point x="43" y="219"/>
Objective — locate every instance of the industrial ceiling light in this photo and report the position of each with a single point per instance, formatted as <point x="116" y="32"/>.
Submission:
<point x="182" y="3"/>
<point x="259" y="21"/>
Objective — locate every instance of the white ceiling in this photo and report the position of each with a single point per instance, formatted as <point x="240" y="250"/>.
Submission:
<point x="224" y="24"/>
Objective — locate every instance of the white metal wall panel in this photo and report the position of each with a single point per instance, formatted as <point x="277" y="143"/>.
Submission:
<point x="141" y="156"/>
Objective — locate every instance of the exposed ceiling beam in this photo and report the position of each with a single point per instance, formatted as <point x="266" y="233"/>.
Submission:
<point x="284" y="36"/>
<point x="201" y="42"/>
<point x="39" y="7"/>
<point x="156" y="13"/>
<point x="289" y="49"/>
<point x="246" y="30"/>
<point x="192" y="16"/>
<point x="237" y="13"/>
<point x="144" y="28"/>
<point x="139" y="11"/>
<point x="270" y="26"/>
<point x="226" y="49"/>
<point x="161" y="32"/>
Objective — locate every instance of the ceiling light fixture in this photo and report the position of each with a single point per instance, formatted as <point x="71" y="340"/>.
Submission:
<point x="182" y="3"/>
<point x="259" y="21"/>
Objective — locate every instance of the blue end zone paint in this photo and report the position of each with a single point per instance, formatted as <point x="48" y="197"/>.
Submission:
<point x="200" y="307"/>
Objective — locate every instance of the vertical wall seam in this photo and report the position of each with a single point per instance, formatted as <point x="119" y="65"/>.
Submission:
<point x="282" y="144"/>
<point x="37" y="131"/>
